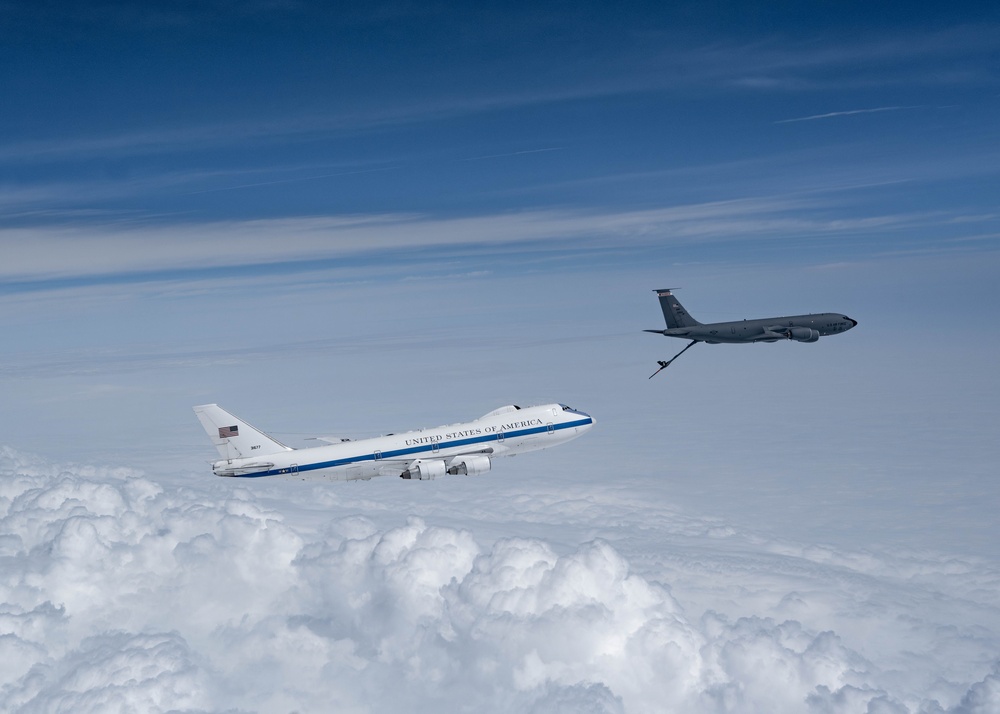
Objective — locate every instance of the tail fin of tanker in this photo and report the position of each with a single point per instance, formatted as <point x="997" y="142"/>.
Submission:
<point x="674" y="313"/>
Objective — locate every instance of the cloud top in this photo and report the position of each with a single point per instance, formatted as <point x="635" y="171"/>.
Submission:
<point x="119" y="594"/>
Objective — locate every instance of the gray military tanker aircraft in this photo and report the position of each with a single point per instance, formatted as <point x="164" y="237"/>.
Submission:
<point x="801" y="328"/>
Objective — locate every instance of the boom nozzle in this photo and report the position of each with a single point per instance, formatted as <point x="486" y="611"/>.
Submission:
<point x="665" y="364"/>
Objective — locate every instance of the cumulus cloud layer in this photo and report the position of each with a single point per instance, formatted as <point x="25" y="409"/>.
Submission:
<point x="118" y="594"/>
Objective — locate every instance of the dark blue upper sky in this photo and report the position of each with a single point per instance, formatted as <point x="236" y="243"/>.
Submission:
<point x="874" y="123"/>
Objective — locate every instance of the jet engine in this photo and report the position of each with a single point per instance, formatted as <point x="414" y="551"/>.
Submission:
<point x="470" y="465"/>
<point x="803" y="334"/>
<point x="424" y="470"/>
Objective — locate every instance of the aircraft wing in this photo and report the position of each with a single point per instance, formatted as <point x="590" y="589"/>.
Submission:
<point x="476" y="462"/>
<point x="437" y="457"/>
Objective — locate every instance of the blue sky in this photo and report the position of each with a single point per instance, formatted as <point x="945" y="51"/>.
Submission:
<point x="355" y="221"/>
<point x="204" y="112"/>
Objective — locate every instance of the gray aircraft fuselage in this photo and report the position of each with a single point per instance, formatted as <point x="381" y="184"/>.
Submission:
<point x="800" y="328"/>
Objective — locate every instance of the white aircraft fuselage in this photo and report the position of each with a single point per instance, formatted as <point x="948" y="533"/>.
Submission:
<point x="466" y="448"/>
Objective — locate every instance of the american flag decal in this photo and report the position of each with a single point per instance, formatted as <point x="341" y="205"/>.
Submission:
<point x="226" y="431"/>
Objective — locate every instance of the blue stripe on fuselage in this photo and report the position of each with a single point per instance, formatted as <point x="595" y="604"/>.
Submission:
<point x="423" y="448"/>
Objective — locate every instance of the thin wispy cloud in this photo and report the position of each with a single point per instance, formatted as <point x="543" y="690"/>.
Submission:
<point x="297" y="179"/>
<point x="514" y="153"/>
<point x="45" y="253"/>
<point x="831" y="115"/>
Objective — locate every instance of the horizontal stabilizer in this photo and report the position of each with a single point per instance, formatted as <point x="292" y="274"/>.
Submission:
<point x="222" y="469"/>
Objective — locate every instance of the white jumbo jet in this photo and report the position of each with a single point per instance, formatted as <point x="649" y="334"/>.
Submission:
<point x="425" y="454"/>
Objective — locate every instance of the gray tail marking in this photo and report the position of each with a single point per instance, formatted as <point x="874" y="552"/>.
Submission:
<point x="673" y="312"/>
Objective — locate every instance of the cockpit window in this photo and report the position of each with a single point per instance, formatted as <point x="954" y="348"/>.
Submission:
<point x="565" y="408"/>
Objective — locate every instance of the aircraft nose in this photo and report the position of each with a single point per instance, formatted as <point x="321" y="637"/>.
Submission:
<point x="854" y="323"/>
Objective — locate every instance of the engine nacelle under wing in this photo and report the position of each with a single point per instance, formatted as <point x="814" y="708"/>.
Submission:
<point x="424" y="470"/>
<point x="470" y="465"/>
<point x="803" y="334"/>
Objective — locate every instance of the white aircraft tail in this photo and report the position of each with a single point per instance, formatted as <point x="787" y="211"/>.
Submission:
<point x="233" y="437"/>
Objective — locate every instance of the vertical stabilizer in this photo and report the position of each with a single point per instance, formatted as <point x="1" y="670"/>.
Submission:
<point x="673" y="312"/>
<point x="233" y="437"/>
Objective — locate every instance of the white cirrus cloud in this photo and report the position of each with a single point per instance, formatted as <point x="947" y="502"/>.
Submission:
<point x="54" y="252"/>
